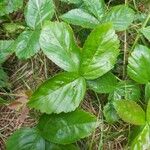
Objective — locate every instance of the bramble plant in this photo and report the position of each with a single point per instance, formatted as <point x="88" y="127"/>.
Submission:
<point x="105" y="63"/>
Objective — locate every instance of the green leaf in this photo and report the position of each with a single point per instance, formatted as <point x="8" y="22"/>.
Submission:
<point x="30" y="139"/>
<point x="38" y="11"/>
<point x="72" y="1"/>
<point x="129" y="111"/>
<point x="58" y="44"/>
<point x="27" y="44"/>
<point x="67" y="128"/>
<point x="121" y="16"/>
<point x="146" y="32"/>
<point x="148" y="112"/>
<point x="100" y="52"/>
<point x="141" y="141"/>
<point x="81" y="18"/>
<point x="147" y="92"/>
<point x="3" y="79"/>
<point x="126" y="90"/>
<point x="52" y="146"/>
<point x="5" y="52"/>
<point x="25" y="139"/>
<point x="138" y="63"/>
<point x="105" y="84"/>
<point x="8" y="6"/>
<point x="62" y="93"/>
<point x="96" y="7"/>
<point x="110" y="113"/>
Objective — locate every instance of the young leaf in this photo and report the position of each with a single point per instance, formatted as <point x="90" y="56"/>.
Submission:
<point x="8" y="6"/>
<point x="96" y="7"/>
<point x="100" y="52"/>
<point x="30" y="139"/>
<point x="146" y="32"/>
<point x="126" y="90"/>
<point x="67" y="128"/>
<point x="105" y="84"/>
<point x="110" y="113"/>
<point x="38" y="11"/>
<point x="147" y="92"/>
<point x="129" y="111"/>
<point x="62" y="93"/>
<point x="141" y="141"/>
<point x="4" y="49"/>
<point x="121" y="16"/>
<point x="58" y="44"/>
<point x="138" y="63"/>
<point x="27" y="44"/>
<point x="81" y="18"/>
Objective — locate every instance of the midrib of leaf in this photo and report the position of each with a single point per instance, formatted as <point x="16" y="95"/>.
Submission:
<point x="39" y="12"/>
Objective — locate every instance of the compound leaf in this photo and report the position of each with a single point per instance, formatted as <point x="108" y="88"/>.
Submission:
<point x="96" y="7"/>
<point x="27" y="44"/>
<point x="138" y="63"/>
<point x="58" y="44"/>
<point x="67" y="128"/>
<point x="121" y="16"/>
<point x="105" y="84"/>
<point x="72" y="1"/>
<point x="62" y="93"/>
<point x="100" y="52"/>
<point x="129" y="111"/>
<point x="81" y="18"/>
<point x="38" y="11"/>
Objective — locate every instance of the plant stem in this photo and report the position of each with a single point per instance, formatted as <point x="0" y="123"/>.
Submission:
<point x="138" y="35"/>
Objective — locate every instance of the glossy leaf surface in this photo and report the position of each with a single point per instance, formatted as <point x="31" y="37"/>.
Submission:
<point x="146" y="32"/>
<point x="105" y="84"/>
<point x="129" y="111"/>
<point x="80" y="17"/>
<point x="58" y="44"/>
<point x="121" y="16"/>
<point x="142" y="140"/>
<point x="29" y="138"/>
<point x="4" y="49"/>
<point x="100" y="52"/>
<point x="27" y="44"/>
<point x="38" y="11"/>
<point x="96" y="7"/>
<point x="138" y="63"/>
<point x="62" y="93"/>
<point x="25" y="139"/>
<point x="67" y="128"/>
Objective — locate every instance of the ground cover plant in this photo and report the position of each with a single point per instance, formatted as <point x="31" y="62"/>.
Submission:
<point x="77" y="71"/>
